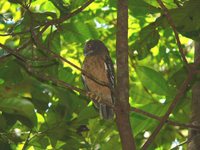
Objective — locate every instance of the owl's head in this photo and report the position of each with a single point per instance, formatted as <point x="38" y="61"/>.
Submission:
<point x="95" y="47"/>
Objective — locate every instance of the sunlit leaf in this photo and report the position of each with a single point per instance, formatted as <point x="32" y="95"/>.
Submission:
<point x="152" y="80"/>
<point x="178" y="77"/>
<point x="141" y="8"/>
<point x="148" y="38"/>
<point x="14" y="69"/>
<point x="186" y="19"/>
<point x="86" y="114"/>
<point x="1" y="81"/>
<point x="66" y="118"/>
<point x="21" y="107"/>
<point x="61" y="6"/>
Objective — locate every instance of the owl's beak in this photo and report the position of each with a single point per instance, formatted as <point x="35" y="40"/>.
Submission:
<point x="88" y="52"/>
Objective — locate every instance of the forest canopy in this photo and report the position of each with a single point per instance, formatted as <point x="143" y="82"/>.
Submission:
<point x="43" y="104"/>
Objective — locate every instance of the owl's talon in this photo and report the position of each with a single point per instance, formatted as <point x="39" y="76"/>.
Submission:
<point x="98" y="99"/>
<point x="90" y="95"/>
<point x="93" y="96"/>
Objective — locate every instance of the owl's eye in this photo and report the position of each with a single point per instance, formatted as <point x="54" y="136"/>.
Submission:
<point x="89" y="46"/>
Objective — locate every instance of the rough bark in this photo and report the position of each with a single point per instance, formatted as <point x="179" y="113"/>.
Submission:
<point x="194" y="135"/>
<point x="122" y="87"/>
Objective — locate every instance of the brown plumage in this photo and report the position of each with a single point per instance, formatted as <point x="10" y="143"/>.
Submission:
<point x="98" y="63"/>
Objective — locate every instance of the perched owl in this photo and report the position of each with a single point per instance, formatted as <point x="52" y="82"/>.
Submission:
<point x="98" y="63"/>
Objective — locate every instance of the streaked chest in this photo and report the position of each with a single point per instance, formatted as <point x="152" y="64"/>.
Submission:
<point x="96" y="66"/>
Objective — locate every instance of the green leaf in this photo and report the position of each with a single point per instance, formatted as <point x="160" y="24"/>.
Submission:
<point x="142" y="123"/>
<point x="86" y="114"/>
<point x="140" y="8"/>
<point x="10" y="72"/>
<point x="113" y="143"/>
<point x="52" y="117"/>
<point x="74" y="103"/>
<point x="148" y="38"/>
<point x="180" y="112"/>
<point x="3" y="122"/>
<point x="21" y="107"/>
<point x="43" y="17"/>
<point x="5" y="145"/>
<point x="186" y="19"/>
<point x="10" y="119"/>
<point x="16" y="1"/>
<point x="71" y="34"/>
<point x="65" y="74"/>
<point x="152" y="80"/>
<point x="2" y="19"/>
<point x="77" y="3"/>
<point x="167" y="3"/>
<point x="78" y="32"/>
<point x="1" y="81"/>
<point x="54" y="41"/>
<point x="41" y="95"/>
<point x="63" y="7"/>
<point x="178" y="77"/>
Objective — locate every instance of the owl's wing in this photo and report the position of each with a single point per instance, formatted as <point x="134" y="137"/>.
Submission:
<point x="83" y="81"/>
<point x="110" y="73"/>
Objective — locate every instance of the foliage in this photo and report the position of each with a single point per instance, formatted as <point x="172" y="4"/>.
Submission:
<point x="46" y="116"/>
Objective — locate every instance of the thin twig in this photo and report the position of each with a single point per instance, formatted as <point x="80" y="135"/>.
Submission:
<point x="27" y="140"/>
<point x="183" y="87"/>
<point x="64" y="18"/>
<point x="18" y="49"/>
<point x="19" y="33"/>
<point x="63" y="84"/>
<point x="25" y="44"/>
<point x="177" y="146"/>
<point x="54" y="81"/>
<point x="171" y="22"/>
<point x="185" y="142"/>
<point x="40" y="45"/>
<point x="54" y="21"/>
<point x="13" y="52"/>
<point x="177" y="3"/>
<point x="145" y="113"/>
<point x="4" y="57"/>
<point x="55" y="55"/>
<point x="178" y="96"/>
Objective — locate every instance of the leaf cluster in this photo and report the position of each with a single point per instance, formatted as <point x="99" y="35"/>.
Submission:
<point x="46" y="116"/>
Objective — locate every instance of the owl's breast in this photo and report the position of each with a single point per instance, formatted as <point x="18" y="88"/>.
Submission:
<point x="96" y="66"/>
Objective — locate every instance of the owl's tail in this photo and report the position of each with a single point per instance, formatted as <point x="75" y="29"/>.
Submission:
<point x="106" y="112"/>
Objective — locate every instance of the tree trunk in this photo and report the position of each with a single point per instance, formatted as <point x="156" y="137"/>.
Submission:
<point x="194" y="135"/>
<point x="122" y="88"/>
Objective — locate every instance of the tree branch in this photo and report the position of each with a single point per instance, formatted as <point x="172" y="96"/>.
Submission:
<point x="40" y="45"/>
<point x="186" y="142"/>
<point x="195" y="104"/>
<point x="52" y="22"/>
<point x="142" y="112"/>
<point x="64" y="18"/>
<point x="171" y="23"/>
<point x="183" y="87"/>
<point x="60" y="83"/>
<point x="122" y="87"/>
<point x="27" y="141"/>
<point x="55" y="81"/>
<point x="19" y="33"/>
<point x="178" y="96"/>
<point x="13" y="52"/>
